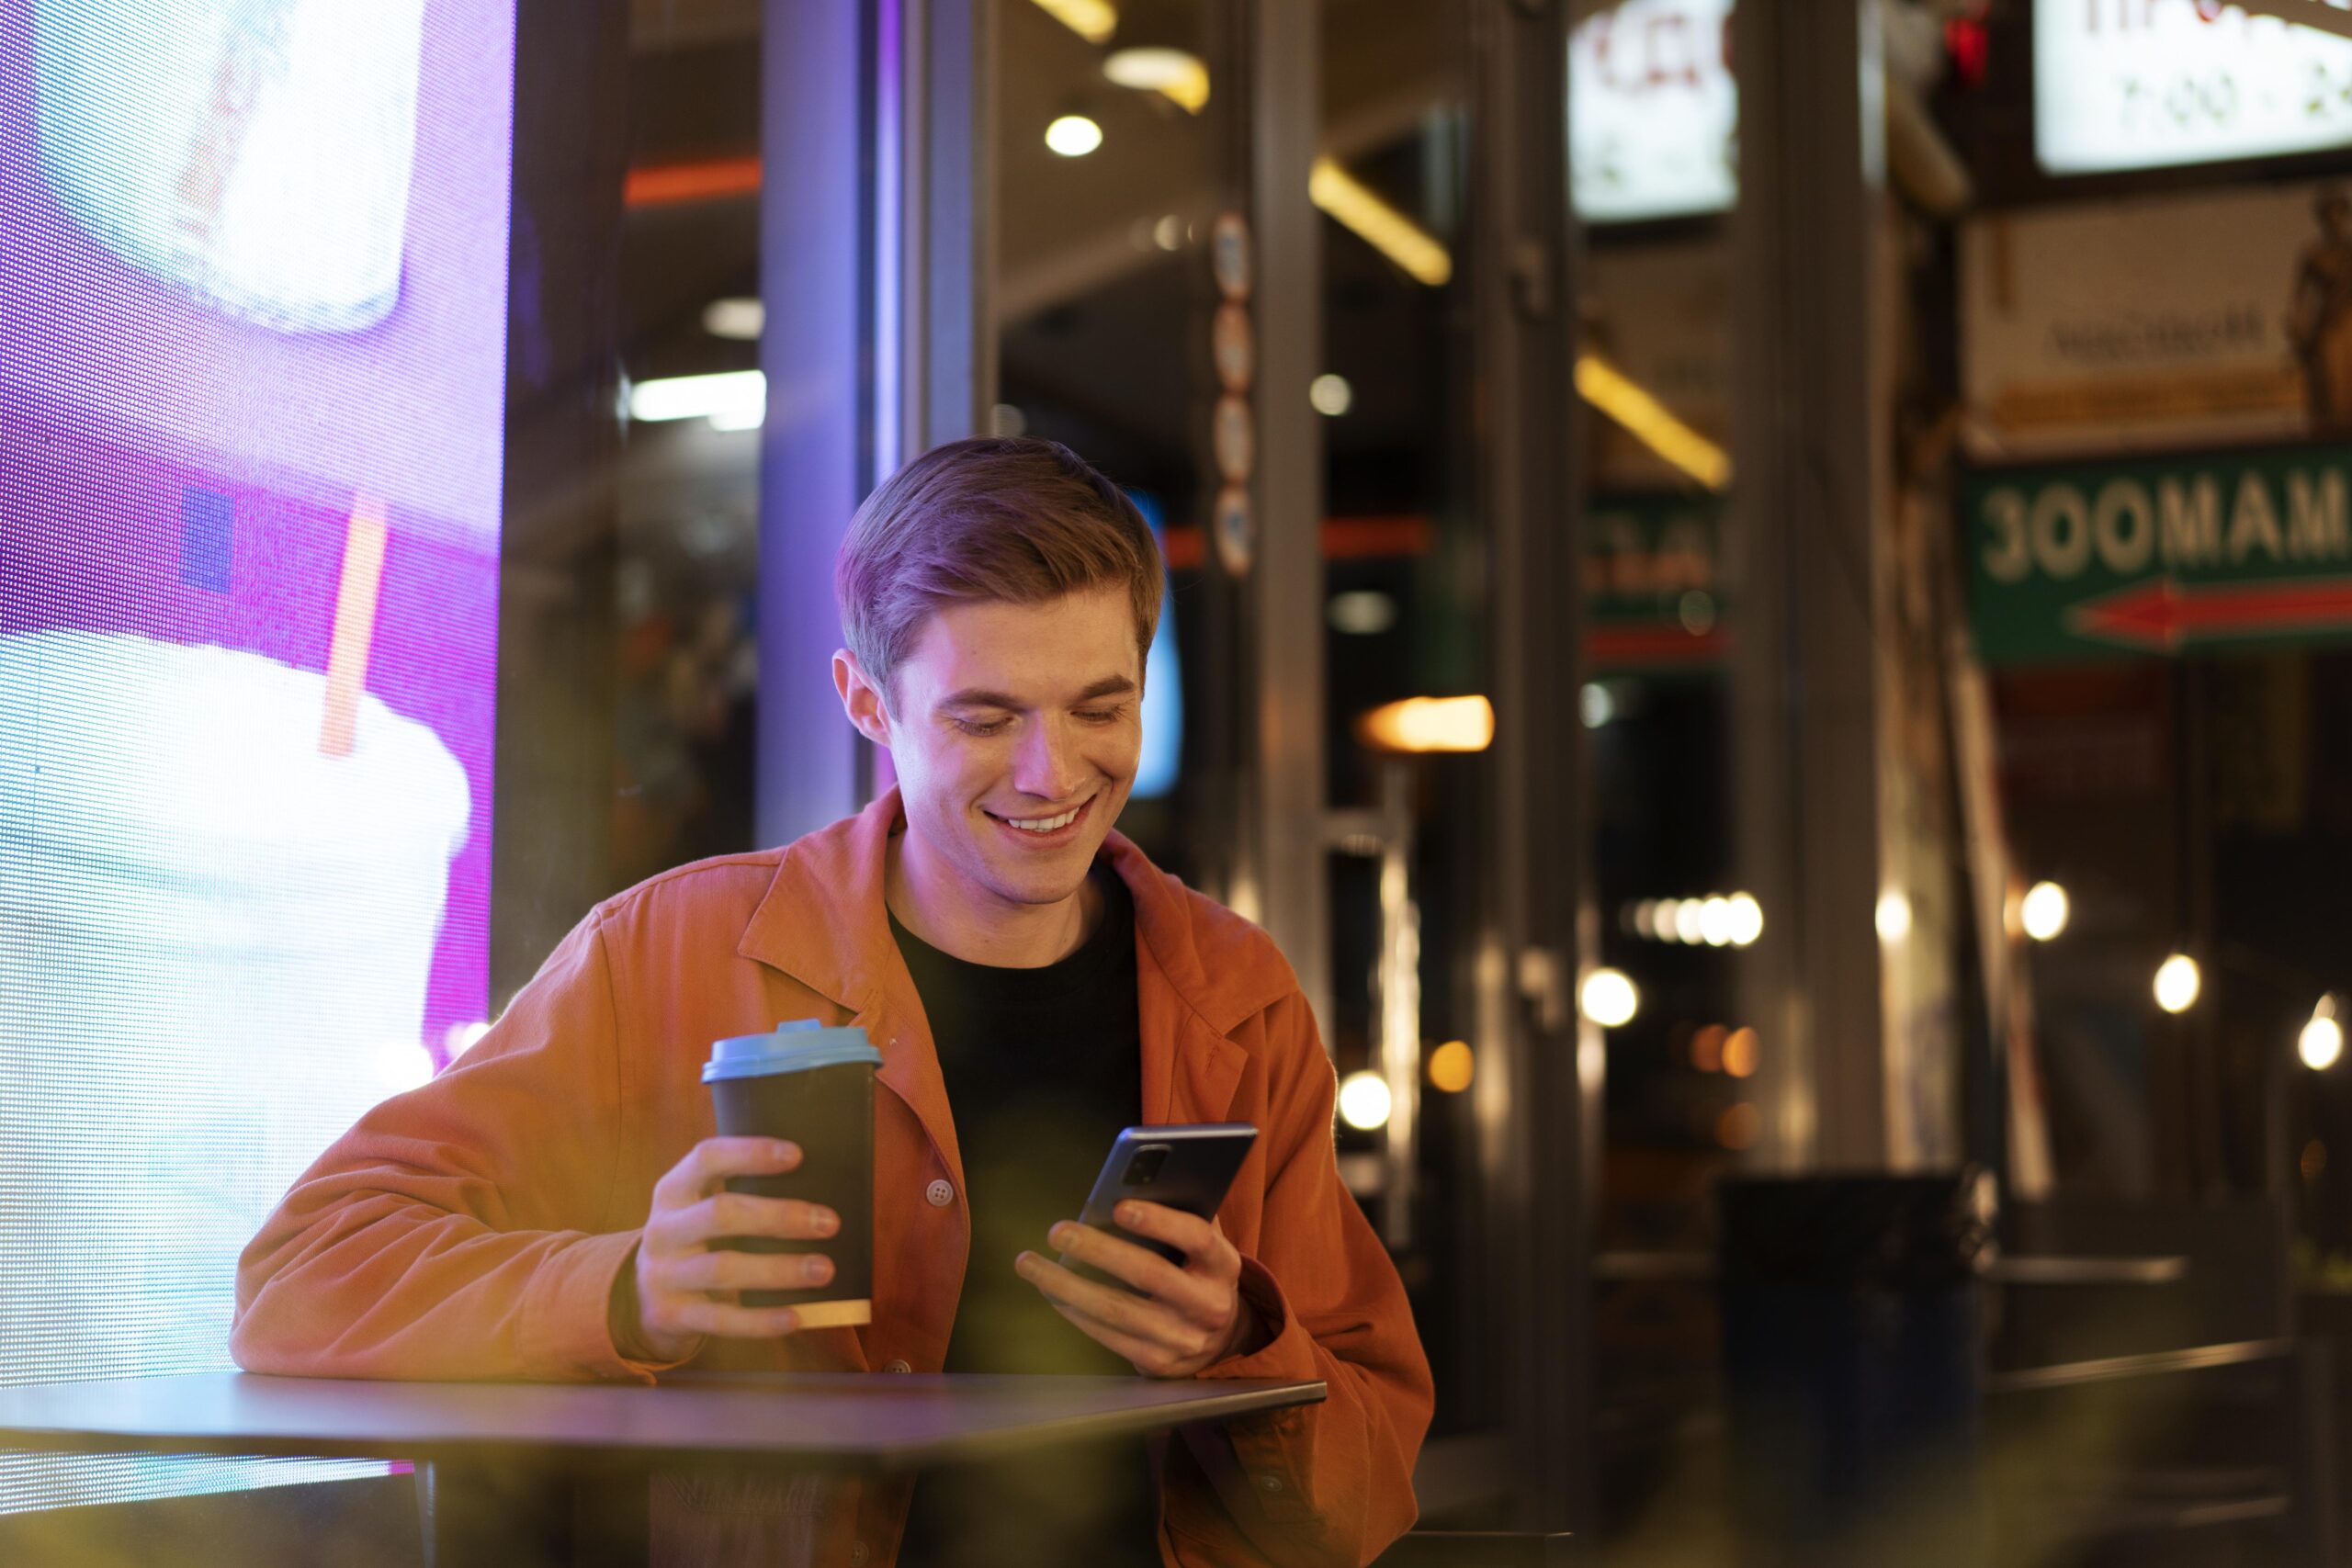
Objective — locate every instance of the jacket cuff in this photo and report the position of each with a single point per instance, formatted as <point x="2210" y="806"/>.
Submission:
<point x="1272" y="1448"/>
<point x="1286" y="1350"/>
<point x="566" y="1327"/>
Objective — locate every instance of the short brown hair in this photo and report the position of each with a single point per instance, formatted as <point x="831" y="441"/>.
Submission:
<point x="991" y="518"/>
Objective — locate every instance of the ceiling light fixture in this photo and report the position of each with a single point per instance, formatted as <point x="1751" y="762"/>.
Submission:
<point x="739" y="319"/>
<point x="1650" y="421"/>
<point x="1093" y="20"/>
<point x="1176" y="75"/>
<point x="730" y="399"/>
<point x="1352" y="203"/>
<point x="1430" y="724"/>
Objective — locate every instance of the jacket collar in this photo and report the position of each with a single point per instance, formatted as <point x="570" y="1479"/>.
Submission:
<point x="825" y="922"/>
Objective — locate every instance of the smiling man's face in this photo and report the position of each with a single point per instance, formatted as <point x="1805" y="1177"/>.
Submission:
<point x="1016" y="731"/>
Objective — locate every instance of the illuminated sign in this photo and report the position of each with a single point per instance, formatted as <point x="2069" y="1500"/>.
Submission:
<point x="1652" y="111"/>
<point x="2160" y="556"/>
<point x="2151" y="84"/>
<point x="2071" y="345"/>
<point x="252" y="308"/>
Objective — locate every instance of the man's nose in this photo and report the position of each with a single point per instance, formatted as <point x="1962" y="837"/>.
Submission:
<point x="1046" y="765"/>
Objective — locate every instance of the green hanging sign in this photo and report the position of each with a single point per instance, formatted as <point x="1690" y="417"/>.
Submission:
<point x="2161" y="556"/>
<point x="1654" y="582"/>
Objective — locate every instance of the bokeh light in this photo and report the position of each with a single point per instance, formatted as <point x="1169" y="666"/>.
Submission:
<point x="1608" y="997"/>
<point x="1363" y="1101"/>
<point x="1452" y="1066"/>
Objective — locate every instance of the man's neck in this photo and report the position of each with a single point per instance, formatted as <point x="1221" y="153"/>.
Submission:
<point x="946" y="912"/>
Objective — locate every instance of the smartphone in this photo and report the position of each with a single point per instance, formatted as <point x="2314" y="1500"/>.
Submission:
<point x="1187" y="1167"/>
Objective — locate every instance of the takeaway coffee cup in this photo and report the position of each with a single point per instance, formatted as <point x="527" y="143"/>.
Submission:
<point x="814" y="1086"/>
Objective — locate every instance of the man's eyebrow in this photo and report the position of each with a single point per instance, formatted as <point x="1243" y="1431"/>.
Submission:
<point x="977" y="697"/>
<point x="980" y="698"/>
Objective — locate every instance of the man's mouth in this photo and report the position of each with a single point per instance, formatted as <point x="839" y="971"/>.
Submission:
<point x="1045" y="827"/>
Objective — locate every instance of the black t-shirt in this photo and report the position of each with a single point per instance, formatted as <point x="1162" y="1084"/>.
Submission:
<point x="1043" y="1066"/>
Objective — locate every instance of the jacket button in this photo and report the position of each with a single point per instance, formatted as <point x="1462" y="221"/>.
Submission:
<point x="857" y="1551"/>
<point x="940" y="1194"/>
<point x="897" y="1364"/>
<point x="1268" y="1482"/>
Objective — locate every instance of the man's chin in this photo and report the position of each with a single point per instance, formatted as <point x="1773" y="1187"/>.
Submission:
<point x="1040" y="890"/>
<point x="1048" y="879"/>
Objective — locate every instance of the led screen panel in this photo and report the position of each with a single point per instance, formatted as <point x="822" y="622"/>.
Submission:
<point x="2154" y="83"/>
<point x="1162" y="757"/>
<point x="1652" y="111"/>
<point x="253" y="306"/>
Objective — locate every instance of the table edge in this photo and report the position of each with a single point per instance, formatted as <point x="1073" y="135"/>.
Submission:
<point x="1263" y="1395"/>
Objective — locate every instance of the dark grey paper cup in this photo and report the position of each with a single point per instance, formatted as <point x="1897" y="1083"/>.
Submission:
<point x="815" y="1087"/>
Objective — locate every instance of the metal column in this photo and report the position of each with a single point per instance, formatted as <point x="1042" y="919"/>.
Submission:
<point x="1539" y="1115"/>
<point x="1811" y="445"/>
<point x="874" y="268"/>
<point x="1284" y="813"/>
<point x="947" y="197"/>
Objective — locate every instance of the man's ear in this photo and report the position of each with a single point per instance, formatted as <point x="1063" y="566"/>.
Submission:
<point x="861" y="698"/>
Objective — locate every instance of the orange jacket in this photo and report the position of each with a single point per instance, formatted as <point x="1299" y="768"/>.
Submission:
<point x="474" y="1227"/>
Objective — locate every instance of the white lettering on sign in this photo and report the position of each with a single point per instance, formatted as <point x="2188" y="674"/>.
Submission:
<point x="2178" y="525"/>
<point x="2317" y="524"/>
<point x="2123" y="525"/>
<point x="2007" y="558"/>
<point x="2254" y="524"/>
<point x="2061" y="531"/>
<point x="1626" y="563"/>
<point x="2149" y="84"/>
<point x="2190" y="521"/>
<point x="1652" y="109"/>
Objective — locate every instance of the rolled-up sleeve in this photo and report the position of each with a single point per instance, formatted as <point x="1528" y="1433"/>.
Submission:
<point x="458" y="1231"/>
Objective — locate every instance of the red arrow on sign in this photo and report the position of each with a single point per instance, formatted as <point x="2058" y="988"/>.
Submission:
<point x="2160" y="615"/>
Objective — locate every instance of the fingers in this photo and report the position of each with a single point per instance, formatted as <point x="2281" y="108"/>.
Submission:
<point x="685" y="1285"/>
<point x="1144" y="1355"/>
<point x="698" y="1315"/>
<point x="713" y="1160"/>
<point x="744" y="1271"/>
<point x="1177" y="1333"/>
<point x="1186" y="1233"/>
<point x="736" y="1214"/>
<point x="1138" y="1266"/>
<point x="1157" y="1341"/>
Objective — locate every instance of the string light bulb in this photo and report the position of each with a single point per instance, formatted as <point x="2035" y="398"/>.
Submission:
<point x="2320" y="1044"/>
<point x="1364" y="1101"/>
<point x="2178" y="982"/>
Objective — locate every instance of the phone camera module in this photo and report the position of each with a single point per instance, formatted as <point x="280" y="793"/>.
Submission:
<point x="1144" y="1169"/>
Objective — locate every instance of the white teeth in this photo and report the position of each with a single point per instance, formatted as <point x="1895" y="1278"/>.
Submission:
<point x="1041" y="824"/>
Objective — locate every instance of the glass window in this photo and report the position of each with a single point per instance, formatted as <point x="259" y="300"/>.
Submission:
<point x="1114" y="148"/>
<point x="1653" y="121"/>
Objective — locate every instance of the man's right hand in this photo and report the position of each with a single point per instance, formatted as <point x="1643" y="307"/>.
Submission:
<point x="687" y="1290"/>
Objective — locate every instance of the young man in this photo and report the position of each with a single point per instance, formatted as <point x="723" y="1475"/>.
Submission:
<point x="546" y="1209"/>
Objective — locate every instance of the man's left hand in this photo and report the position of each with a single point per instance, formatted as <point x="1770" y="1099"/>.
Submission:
<point x="1187" y="1318"/>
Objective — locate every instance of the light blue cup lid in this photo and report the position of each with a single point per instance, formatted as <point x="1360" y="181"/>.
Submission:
<point x="796" y="1046"/>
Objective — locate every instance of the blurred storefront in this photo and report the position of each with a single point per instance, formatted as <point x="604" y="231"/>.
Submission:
<point x="1755" y="590"/>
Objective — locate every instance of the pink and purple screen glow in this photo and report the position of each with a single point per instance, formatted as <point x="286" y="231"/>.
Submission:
<point x="252" y="286"/>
